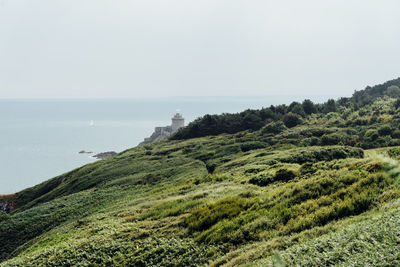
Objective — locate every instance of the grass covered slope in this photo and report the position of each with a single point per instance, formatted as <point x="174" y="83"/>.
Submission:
<point x="250" y="197"/>
<point x="378" y="235"/>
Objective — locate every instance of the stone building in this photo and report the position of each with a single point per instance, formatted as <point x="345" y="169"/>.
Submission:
<point x="161" y="133"/>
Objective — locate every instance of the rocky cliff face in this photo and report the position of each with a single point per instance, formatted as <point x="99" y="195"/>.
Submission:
<point x="105" y="155"/>
<point x="6" y="204"/>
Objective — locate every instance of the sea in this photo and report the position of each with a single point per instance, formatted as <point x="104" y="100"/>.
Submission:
<point x="41" y="138"/>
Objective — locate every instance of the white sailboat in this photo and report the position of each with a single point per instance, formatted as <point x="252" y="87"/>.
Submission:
<point x="91" y="123"/>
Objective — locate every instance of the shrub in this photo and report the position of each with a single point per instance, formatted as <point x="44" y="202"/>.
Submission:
<point x="371" y="135"/>
<point x="314" y="154"/>
<point x="4" y="217"/>
<point x="208" y="215"/>
<point x="252" y="146"/>
<point x="394" y="152"/>
<point x="396" y="134"/>
<point x="284" y="175"/>
<point x="307" y="168"/>
<point x="330" y="106"/>
<point x="291" y="120"/>
<point x="274" y="128"/>
<point x="385" y="130"/>
<point x="397" y="104"/>
<point x="263" y="179"/>
<point x="393" y="91"/>
<point x="331" y="139"/>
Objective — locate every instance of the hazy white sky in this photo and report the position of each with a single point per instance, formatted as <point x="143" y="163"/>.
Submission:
<point x="131" y="48"/>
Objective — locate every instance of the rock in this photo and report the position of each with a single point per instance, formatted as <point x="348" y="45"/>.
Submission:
<point x="85" y="152"/>
<point x="6" y="203"/>
<point x="105" y="155"/>
<point x="5" y="207"/>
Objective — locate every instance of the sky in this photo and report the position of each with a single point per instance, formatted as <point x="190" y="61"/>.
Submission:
<point x="153" y="48"/>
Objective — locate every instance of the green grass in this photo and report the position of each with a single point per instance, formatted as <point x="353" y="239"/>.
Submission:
<point x="231" y="199"/>
<point x="373" y="242"/>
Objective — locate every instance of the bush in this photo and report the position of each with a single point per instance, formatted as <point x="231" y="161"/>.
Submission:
<point x="252" y="146"/>
<point x="394" y="152"/>
<point x="397" y="104"/>
<point x="331" y="139"/>
<point x="396" y="134"/>
<point x="284" y="175"/>
<point x="315" y="154"/>
<point x="291" y="120"/>
<point x="208" y="215"/>
<point x="371" y="135"/>
<point x="4" y="217"/>
<point x="393" y="91"/>
<point x="263" y="179"/>
<point x="307" y="168"/>
<point x="385" y="130"/>
<point x="274" y="128"/>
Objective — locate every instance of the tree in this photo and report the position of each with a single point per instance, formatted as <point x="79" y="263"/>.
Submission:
<point x="330" y="106"/>
<point x="309" y="107"/>
<point x="393" y="91"/>
<point x="296" y="108"/>
<point x="252" y="121"/>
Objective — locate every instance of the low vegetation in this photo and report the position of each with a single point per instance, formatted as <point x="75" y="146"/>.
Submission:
<point x="305" y="184"/>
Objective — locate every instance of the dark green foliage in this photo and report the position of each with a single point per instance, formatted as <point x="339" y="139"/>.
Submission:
<point x="393" y="91"/>
<point x="290" y="120"/>
<point x="315" y="154"/>
<point x="394" y="152"/>
<point x="396" y="134"/>
<point x="385" y="130"/>
<point x="4" y="217"/>
<point x="293" y="115"/>
<point x="330" y="106"/>
<point x="274" y="128"/>
<point x="225" y="123"/>
<point x="296" y="108"/>
<point x="309" y="107"/>
<point x="263" y="179"/>
<point x="397" y="104"/>
<point x="252" y="146"/>
<point x="307" y="168"/>
<point x="331" y="139"/>
<point x="369" y="94"/>
<point x="371" y="135"/>
<point x="281" y="175"/>
<point x="284" y="175"/>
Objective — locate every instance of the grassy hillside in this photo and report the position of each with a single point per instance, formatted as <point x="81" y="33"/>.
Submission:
<point x="324" y="191"/>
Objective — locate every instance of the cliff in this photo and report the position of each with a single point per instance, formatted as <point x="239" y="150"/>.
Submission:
<point x="7" y="203"/>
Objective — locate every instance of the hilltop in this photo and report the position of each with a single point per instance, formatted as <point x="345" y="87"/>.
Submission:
<point x="306" y="184"/>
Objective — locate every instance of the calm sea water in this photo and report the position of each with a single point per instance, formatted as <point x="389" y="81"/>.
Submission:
<point x="40" y="139"/>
